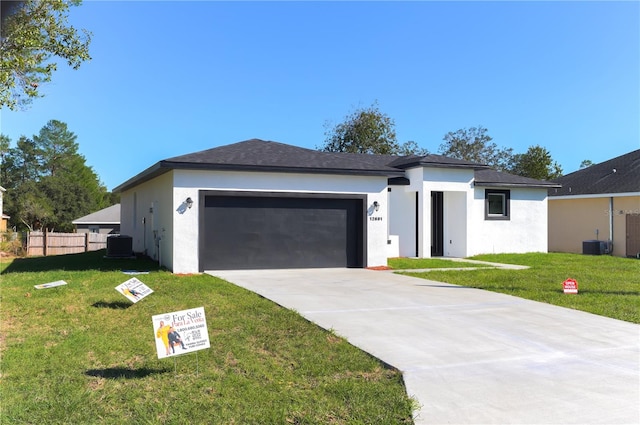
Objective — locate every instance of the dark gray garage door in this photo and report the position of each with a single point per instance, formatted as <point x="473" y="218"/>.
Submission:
<point x="241" y="232"/>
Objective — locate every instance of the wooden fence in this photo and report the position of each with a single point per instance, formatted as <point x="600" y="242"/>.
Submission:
<point x="49" y="243"/>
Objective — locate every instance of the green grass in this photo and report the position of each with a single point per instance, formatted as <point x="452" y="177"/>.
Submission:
<point x="403" y="263"/>
<point x="608" y="286"/>
<point x="83" y="354"/>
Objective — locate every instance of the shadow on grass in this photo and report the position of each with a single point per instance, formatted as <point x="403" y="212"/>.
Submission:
<point x="123" y="372"/>
<point x="115" y="305"/>
<point x="94" y="260"/>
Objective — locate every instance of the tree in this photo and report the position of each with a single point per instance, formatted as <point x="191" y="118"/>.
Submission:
<point x="475" y="145"/>
<point x="33" y="32"/>
<point x="365" y="130"/>
<point x="57" y="145"/>
<point x="32" y="208"/>
<point x="48" y="182"/>
<point x="586" y="163"/>
<point x="412" y="148"/>
<point x="536" y="163"/>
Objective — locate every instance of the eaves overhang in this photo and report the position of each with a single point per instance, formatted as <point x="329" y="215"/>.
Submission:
<point x="162" y="167"/>
<point x="516" y="185"/>
<point x="595" y="195"/>
<point x="423" y="164"/>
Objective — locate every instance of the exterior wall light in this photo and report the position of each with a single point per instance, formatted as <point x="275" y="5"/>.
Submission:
<point x="189" y="202"/>
<point x="376" y="205"/>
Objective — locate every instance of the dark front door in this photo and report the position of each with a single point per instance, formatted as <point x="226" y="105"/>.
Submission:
<point x="255" y="232"/>
<point x="437" y="224"/>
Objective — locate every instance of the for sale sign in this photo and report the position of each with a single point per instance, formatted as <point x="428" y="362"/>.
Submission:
<point x="134" y="289"/>
<point x="570" y="286"/>
<point x="180" y="332"/>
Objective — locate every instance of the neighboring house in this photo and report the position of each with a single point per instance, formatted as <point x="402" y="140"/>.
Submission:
<point x="258" y="204"/>
<point x="4" y="219"/>
<point x="105" y="221"/>
<point x="600" y="202"/>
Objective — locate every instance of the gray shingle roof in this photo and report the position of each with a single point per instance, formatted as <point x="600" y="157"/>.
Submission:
<point x="109" y="215"/>
<point x="617" y="175"/>
<point x="260" y="155"/>
<point x="496" y="178"/>
<point x="274" y="156"/>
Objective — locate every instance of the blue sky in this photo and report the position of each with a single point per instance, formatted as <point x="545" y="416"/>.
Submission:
<point x="170" y="78"/>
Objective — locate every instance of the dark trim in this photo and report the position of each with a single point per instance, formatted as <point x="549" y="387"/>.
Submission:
<point x="437" y="224"/>
<point x="202" y="194"/>
<point x="417" y="224"/>
<point x="507" y="202"/>
<point x="166" y="166"/>
<point x="398" y="181"/>
<point x="517" y="185"/>
<point x="279" y="169"/>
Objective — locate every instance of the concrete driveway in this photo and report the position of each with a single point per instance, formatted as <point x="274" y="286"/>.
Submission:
<point x="470" y="356"/>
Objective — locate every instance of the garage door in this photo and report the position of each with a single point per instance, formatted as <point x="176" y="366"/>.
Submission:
<point x="241" y="232"/>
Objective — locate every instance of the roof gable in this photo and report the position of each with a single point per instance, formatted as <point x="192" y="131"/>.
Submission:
<point x="617" y="175"/>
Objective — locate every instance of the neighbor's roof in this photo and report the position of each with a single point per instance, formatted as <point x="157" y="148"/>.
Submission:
<point x="109" y="215"/>
<point x="260" y="155"/>
<point x="617" y="175"/>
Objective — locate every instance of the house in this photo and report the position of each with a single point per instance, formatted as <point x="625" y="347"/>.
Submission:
<point x="259" y="204"/>
<point x="4" y="219"/>
<point x="105" y="221"/>
<point x="600" y="202"/>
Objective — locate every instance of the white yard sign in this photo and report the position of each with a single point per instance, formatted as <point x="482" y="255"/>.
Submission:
<point x="180" y="332"/>
<point x="134" y="289"/>
<point x="50" y="284"/>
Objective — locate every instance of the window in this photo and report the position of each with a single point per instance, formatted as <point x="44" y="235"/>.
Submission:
<point x="496" y="204"/>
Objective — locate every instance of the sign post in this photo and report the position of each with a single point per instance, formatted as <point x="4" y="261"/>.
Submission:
<point x="570" y="286"/>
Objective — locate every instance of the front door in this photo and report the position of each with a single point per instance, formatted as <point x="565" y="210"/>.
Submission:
<point x="437" y="224"/>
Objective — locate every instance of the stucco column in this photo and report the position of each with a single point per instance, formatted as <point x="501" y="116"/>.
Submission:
<point x="424" y="222"/>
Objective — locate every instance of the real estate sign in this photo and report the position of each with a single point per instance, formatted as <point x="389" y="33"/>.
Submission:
<point x="134" y="289"/>
<point x="180" y="332"/>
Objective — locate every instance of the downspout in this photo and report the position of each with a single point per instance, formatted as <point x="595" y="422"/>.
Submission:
<point x="610" y="226"/>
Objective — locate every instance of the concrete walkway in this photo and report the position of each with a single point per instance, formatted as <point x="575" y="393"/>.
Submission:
<point x="470" y="356"/>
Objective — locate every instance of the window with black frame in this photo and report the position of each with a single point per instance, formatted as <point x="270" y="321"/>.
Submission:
<point x="496" y="204"/>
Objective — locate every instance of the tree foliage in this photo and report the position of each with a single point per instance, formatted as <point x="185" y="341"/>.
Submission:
<point x="536" y="163"/>
<point x="586" y="163"/>
<point x="412" y="148"/>
<point x="48" y="182"/>
<point x="474" y="144"/>
<point x="368" y="130"/>
<point x="33" y="33"/>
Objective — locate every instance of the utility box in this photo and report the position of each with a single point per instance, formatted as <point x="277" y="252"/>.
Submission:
<point x="119" y="246"/>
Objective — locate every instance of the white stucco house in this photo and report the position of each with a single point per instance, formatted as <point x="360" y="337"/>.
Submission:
<point x="259" y="204"/>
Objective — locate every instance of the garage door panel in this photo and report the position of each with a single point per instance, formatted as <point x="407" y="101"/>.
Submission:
<point x="277" y="232"/>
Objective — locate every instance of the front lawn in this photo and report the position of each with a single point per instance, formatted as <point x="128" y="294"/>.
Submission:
<point x="402" y="263"/>
<point x="83" y="354"/>
<point x="607" y="286"/>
